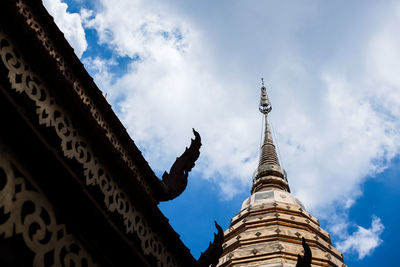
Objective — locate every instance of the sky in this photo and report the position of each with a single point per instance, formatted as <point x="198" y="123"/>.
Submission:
<point x="332" y="72"/>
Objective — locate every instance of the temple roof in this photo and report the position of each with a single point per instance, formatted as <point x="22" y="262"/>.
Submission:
<point x="99" y="147"/>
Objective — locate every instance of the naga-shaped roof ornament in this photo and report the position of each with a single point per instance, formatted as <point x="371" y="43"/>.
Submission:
<point x="214" y="251"/>
<point x="175" y="182"/>
<point x="304" y="261"/>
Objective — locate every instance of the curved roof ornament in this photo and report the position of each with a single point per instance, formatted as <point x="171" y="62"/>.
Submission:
<point x="214" y="251"/>
<point x="175" y="182"/>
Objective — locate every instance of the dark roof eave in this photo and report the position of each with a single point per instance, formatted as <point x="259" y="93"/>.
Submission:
<point x="126" y="141"/>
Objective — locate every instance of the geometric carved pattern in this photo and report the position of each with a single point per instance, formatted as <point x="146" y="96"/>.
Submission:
<point x="74" y="146"/>
<point x="25" y="210"/>
<point x="281" y="230"/>
<point x="24" y="10"/>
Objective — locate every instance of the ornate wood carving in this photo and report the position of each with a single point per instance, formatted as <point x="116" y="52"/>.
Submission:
<point x="48" y="44"/>
<point x="74" y="146"/>
<point x="25" y="211"/>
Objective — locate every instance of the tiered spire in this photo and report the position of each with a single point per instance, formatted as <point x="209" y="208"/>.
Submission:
<point x="269" y="173"/>
<point x="272" y="224"/>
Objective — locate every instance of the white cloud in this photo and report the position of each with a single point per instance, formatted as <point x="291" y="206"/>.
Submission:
<point x="336" y="121"/>
<point x="69" y="23"/>
<point x="349" y="203"/>
<point x="382" y="64"/>
<point x="330" y="153"/>
<point x="177" y="90"/>
<point x="363" y="241"/>
<point x="134" y="28"/>
<point x="99" y="68"/>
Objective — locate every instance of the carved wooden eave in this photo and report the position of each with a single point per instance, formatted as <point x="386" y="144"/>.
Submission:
<point x="56" y="53"/>
<point x="128" y="206"/>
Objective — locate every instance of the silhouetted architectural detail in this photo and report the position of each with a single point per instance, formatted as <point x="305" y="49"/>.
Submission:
<point x="214" y="251"/>
<point x="304" y="261"/>
<point x="175" y="182"/>
<point x="74" y="188"/>
<point x="272" y="224"/>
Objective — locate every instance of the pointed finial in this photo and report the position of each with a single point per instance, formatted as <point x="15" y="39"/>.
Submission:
<point x="268" y="166"/>
<point x="265" y="105"/>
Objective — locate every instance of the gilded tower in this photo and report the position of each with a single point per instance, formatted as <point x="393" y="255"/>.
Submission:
<point x="268" y="230"/>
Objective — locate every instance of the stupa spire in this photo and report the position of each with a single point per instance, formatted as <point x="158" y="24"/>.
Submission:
<point x="269" y="173"/>
<point x="272" y="225"/>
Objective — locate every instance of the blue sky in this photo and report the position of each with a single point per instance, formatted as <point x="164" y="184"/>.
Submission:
<point x="332" y="74"/>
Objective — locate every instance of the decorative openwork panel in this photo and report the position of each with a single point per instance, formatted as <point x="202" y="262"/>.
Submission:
<point x="74" y="146"/>
<point x="26" y="212"/>
<point x="48" y="44"/>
